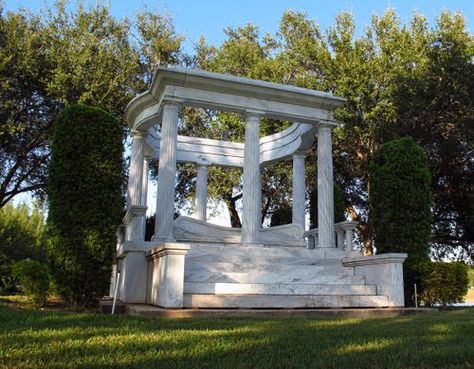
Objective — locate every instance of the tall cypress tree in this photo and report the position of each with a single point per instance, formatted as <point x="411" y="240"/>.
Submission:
<point x="85" y="201"/>
<point x="400" y="204"/>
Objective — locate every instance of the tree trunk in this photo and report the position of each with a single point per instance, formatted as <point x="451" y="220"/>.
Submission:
<point x="234" y="215"/>
<point x="365" y="231"/>
<point x="367" y="235"/>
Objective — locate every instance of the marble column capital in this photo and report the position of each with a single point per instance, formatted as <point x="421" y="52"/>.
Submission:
<point x="172" y="105"/>
<point x="251" y="116"/>
<point x="299" y="154"/>
<point x="139" y="135"/>
<point x="325" y="126"/>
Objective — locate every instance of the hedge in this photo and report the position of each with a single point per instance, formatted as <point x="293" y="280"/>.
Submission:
<point x="443" y="283"/>
<point x="86" y="176"/>
<point x="400" y="204"/>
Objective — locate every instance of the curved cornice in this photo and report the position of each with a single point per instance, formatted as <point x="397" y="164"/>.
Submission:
<point x="228" y="93"/>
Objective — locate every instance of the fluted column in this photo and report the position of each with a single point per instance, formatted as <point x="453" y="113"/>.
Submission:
<point x="167" y="173"/>
<point x="144" y="196"/>
<point x="325" y="187"/>
<point x="251" y="211"/>
<point x="135" y="179"/>
<point x="201" y="193"/>
<point x="299" y="188"/>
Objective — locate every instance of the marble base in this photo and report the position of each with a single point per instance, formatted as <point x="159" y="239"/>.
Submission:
<point x="133" y="277"/>
<point x="166" y="275"/>
<point x="385" y="271"/>
<point x="176" y="275"/>
<point x="287" y="302"/>
<point x="277" y="289"/>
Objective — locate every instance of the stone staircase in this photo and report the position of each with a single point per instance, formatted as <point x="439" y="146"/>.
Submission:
<point x="236" y="276"/>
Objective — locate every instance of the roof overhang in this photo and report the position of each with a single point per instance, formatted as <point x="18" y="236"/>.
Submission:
<point x="225" y="92"/>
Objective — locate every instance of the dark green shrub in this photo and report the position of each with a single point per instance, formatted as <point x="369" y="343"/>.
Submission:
<point x="21" y="236"/>
<point x="443" y="283"/>
<point x="400" y="204"/>
<point x="85" y="201"/>
<point x="33" y="277"/>
<point x="339" y="206"/>
<point x="282" y="215"/>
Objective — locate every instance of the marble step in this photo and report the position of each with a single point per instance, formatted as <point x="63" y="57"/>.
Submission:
<point x="281" y="301"/>
<point x="267" y="267"/>
<point x="240" y="260"/>
<point x="277" y="289"/>
<point x="304" y="276"/>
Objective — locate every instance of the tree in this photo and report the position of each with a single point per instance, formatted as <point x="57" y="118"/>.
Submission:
<point x="25" y="107"/>
<point x="21" y="237"/>
<point x="64" y="55"/>
<point x="435" y="105"/>
<point x="22" y="232"/>
<point x="400" y="204"/>
<point x="281" y="216"/>
<point x="85" y="201"/>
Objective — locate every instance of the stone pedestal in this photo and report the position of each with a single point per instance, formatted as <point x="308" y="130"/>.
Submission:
<point x="132" y="283"/>
<point x="325" y="187"/>
<point x="299" y="188"/>
<point x="201" y="194"/>
<point x="251" y="210"/>
<point x="167" y="173"/>
<point x="385" y="271"/>
<point x="166" y="275"/>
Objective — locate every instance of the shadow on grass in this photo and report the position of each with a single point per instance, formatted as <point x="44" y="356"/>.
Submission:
<point x="38" y="339"/>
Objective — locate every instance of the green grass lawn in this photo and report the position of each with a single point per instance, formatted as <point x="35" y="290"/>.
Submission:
<point x="56" y="339"/>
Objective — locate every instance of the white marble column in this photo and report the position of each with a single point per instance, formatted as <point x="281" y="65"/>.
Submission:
<point x="167" y="173"/>
<point x="325" y="187"/>
<point x="144" y="196"/>
<point x="251" y="212"/>
<point x="135" y="177"/>
<point x="299" y="198"/>
<point x="201" y="193"/>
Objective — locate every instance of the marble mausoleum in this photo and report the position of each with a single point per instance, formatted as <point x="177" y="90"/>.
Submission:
<point x="191" y="263"/>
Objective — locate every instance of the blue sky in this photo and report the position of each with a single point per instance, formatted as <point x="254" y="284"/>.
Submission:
<point x="194" y="18"/>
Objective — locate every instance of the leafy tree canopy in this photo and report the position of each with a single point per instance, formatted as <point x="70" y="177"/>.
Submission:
<point x="64" y="55"/>
<point x="399" y="79"/>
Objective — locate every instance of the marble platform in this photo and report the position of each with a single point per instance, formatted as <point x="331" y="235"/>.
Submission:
<point x="273" y="277"/>
<point x="211" y="275"/>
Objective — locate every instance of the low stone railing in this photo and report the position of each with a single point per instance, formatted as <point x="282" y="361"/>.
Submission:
<point x="344" y="235"/>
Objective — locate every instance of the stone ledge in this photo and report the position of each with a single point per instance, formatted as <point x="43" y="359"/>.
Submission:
<point x="135" y="211"/>
<point x="169" y="248"/>
<point x="134" y="246"/>
<point x="375" y="259"/>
